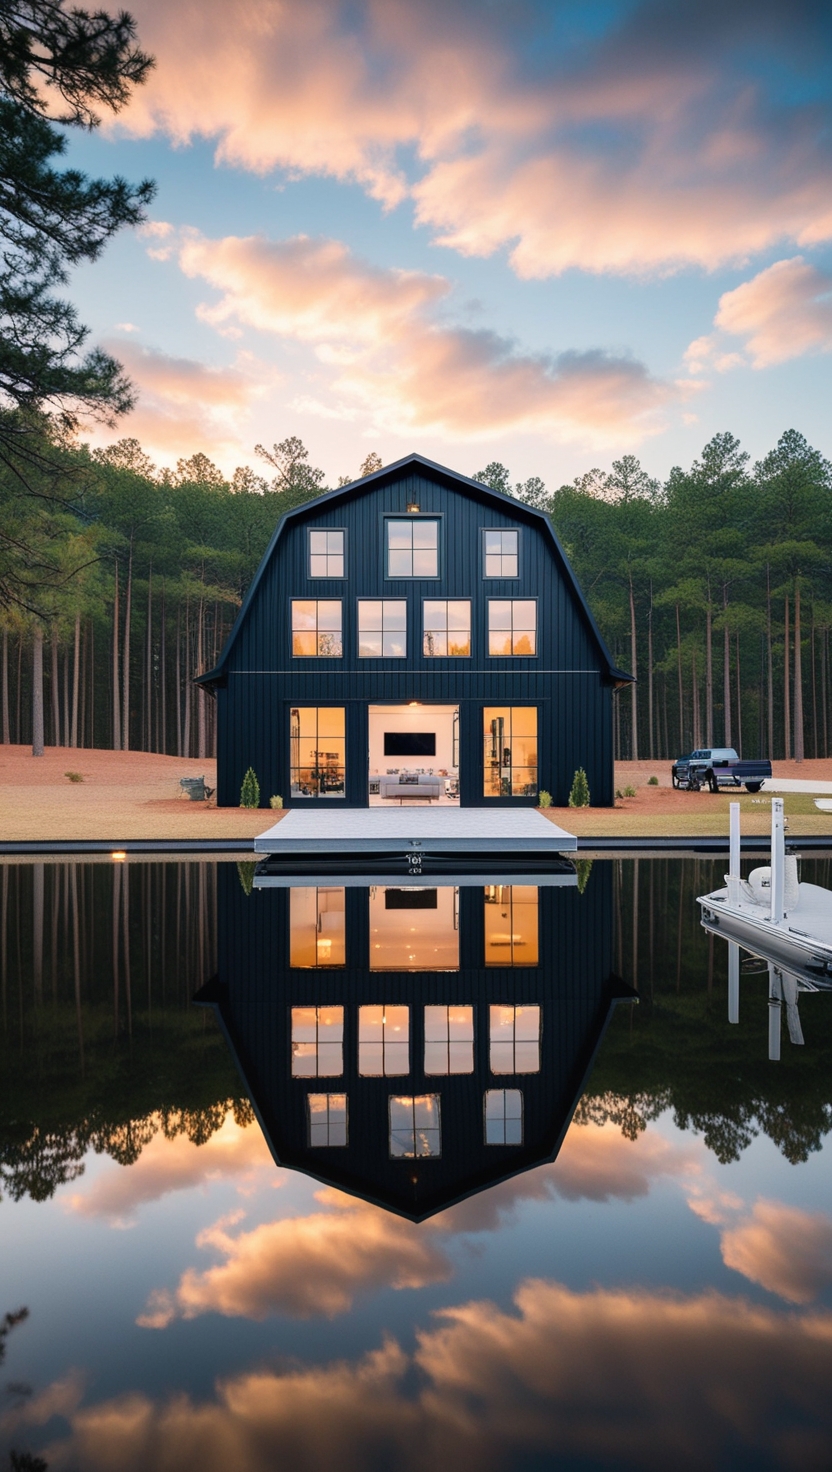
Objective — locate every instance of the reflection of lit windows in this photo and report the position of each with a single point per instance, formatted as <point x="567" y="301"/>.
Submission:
<point x="512" y="626"/>
<point x="327" y="1119"/>
<point x="326" y="554"/>
<point x="415" y="1126"/>
<point x="515" y="1039"/>
<point x="449" y="1040"/>
<point x="383" y="1041"/>
<point x="382" y="628"/>
<point x="501" y="553"/>
<point x="414" y="929"/>
<point x="510" y="750"/>
<point x="317" y="927"/>
<point x="317" y="1042"/>
<point x="412" y="548"/>
<point x="317" y="748"/>
<point x="503" y="1117"/>
<point x="446" y="628"/>
<point x="316" y="628"/>
<point x="511" y="925"/>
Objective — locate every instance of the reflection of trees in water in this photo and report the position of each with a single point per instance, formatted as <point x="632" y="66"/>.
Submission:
<point x="677" y="1049"/>
<point x="100" y="1046"/>
<point x="18" y="1461"/>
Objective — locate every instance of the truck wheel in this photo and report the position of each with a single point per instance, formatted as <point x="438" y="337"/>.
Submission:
<point x="712" y="782"/>
<point x="753" y="786"/>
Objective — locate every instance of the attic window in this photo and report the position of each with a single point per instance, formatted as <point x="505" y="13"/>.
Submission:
<point x="317" y="1042"/>
<point x="415" y="1130"/>
<point x="501" y="553"/>
<point x="327" y="1119"/>
<point x="449" y="1039"/>
<point x="412" y="548"/>
<point x="326" y="553"/>
<point x="515" y="1039"/>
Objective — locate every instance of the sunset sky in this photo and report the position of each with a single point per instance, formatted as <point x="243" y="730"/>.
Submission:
<point x="547" y="234"/>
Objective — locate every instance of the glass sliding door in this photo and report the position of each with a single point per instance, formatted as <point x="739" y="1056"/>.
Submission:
<point x="317" y="751"/>
<point x="510" y="751"/>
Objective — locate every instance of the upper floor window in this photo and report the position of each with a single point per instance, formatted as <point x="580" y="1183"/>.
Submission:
<point x="449" y="1039"/>
<point x="383" y="1041"/>
<point x="503" y="1117"/>
<point x="412" y="548"/>
<point x="382" y="628"/>
<point x="317" y="1042"/>
<point x="515" y="1039"/>
<point x="316" y="628"/>
<point x="327" y="1119"/>
<point x="326" y="553"/>
<point x="447" y="627"/>
<point x="501" y="552"/>
<point x="415" y="1129"/>
<point x="512" y="626"/>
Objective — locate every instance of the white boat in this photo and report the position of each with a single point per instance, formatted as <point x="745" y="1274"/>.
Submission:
<point x="776" y="918"/>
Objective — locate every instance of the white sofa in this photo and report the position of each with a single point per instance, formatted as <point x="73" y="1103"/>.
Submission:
<point x="407" y="785"/>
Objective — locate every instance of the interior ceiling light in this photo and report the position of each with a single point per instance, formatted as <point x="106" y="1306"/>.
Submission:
<point x="413" y="506"/>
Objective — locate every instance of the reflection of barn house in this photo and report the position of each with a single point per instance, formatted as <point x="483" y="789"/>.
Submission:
<point x="414" y="636"/>
<point x="408" y="1044"/>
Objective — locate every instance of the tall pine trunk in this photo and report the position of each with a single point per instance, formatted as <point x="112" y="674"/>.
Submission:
<point x="116" y="680"/>
<point x="633" y="687"/>
<point x="186" y="723"/>
<point x="798" y="678"/>
<point x="7" y="734"/>
<point x="651" y="744"/>
<point x="769" y="667"/>
<point x="149" y="649"/>
<point x="682" y="745"/>
<point x="739" y="700"/>
<point x="199" y="694"/>
<point x="76" y="679"/>
<point x="162" y="742"/>
<point x="787" y="704"/>
<point x="178" y="686"/>
<point x="726" y="671"/>
<point x="56" y="689"/>
<point x="697" y="728"/>
<point x="815" y="748"/>
<point x="125" y="673"/>
<point x="824" y="656"/>
<point x="709" y="674"/>
<point x="37" y="692"/>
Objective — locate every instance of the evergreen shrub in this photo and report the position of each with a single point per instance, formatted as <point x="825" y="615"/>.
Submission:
<point x="579" y="796"/>
<point x="544" y="799"/>
<point x="250" y="790"/>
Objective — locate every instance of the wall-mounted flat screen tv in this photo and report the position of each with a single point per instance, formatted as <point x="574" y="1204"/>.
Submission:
<point x="410" y="899"/>
<point x="410" y="743"/>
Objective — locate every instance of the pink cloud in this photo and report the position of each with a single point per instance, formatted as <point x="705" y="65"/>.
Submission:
<point x="704" y="170"/>
<point x="167" y="1165"/>
<point x="378" y="332"/>
<point x="786" y="1250"/>
<point x="783" y="312"/>
<point x="610" y="1377"/>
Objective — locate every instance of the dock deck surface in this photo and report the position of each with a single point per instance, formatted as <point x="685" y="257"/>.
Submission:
<point x="412" y="829"/>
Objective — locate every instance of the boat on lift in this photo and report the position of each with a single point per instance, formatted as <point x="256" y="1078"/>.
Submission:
<point x="784" y="925"/>
<point x="771" y="913"/>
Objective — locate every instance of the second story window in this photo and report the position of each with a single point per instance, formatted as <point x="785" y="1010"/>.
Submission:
<point x="415" y="1126"/>
<point x="501" y="553"/>
<point x="316" y="628"/>
<point x="449" y="1039"/>
<point x="382" y="628"/>
<point x="326" y="553"/>
<point x="383" y="1041"/>
<point x="503" y="1110"/>
<point x="447" y="628"/>
<point x="327" y="1119"/>
<point x="514" y="1039"/>
<point x="412" y="548"/>
<point x="512" y="626"/>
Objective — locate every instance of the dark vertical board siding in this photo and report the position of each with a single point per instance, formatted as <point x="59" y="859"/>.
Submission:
<point x="566" y="679"/>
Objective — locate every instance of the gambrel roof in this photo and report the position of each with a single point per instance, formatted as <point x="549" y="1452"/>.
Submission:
<point x="451" y="479"/>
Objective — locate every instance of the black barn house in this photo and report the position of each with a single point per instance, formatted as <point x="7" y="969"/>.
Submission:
<point x="414" y="1046"/>
<point x="414" y="635"/>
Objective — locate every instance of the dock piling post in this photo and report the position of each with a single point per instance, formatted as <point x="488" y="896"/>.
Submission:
<point x="733" y="982"/>
<point x="778" y="859"/>
<point x="774" y="993"/>
<point x="734" y="860"/>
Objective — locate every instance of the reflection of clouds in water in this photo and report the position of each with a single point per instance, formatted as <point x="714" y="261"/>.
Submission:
<point x="786" y="1250"/>
<point x="176" y="1164"/>
<point x="303" y="1266"/>
<point x="317" y="1264"/>
<point x="615" y="1379"/>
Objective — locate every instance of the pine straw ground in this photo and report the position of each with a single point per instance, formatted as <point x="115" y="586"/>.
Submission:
<point x="129" y="795"/>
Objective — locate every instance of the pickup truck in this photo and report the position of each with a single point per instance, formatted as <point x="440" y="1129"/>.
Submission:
<point x="719" y="766"/>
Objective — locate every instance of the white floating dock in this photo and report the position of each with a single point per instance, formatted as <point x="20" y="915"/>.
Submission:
<point x="416" y="830"/>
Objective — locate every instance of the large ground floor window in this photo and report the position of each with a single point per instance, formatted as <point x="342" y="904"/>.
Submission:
<point x="510" y="751"/>
<point x="318" y="751"/>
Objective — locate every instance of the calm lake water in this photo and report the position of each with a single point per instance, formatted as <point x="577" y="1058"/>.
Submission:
<point x="311" y="1220"/>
